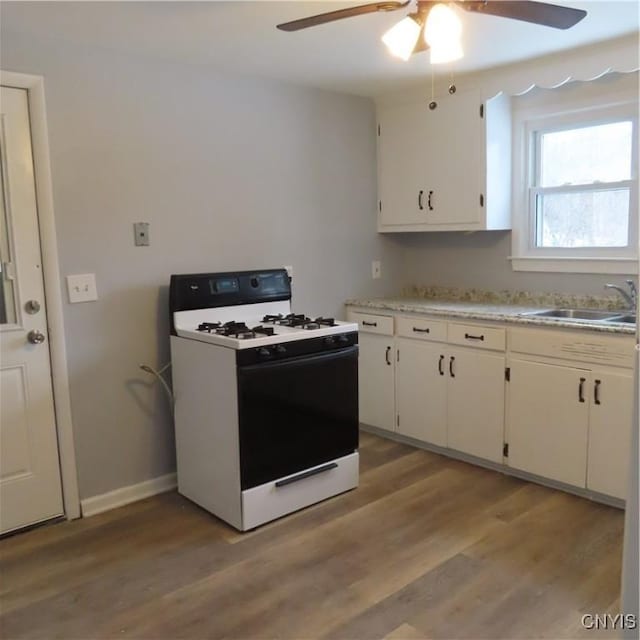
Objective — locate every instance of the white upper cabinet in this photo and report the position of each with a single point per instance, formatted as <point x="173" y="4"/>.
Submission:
<point x="447" y="168"/>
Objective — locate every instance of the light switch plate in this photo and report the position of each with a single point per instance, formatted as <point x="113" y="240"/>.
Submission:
<point x="82" y="287"/>
<point x="376" y="269"/>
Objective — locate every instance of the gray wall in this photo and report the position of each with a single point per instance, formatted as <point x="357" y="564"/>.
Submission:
<point x="232" y="173"/>
<point x="480" y="260"/>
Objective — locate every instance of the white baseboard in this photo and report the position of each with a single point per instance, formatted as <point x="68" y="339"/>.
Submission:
<point x="125" y="495"/>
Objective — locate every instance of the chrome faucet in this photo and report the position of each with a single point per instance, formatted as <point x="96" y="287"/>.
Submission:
<point x="630" y="297"/>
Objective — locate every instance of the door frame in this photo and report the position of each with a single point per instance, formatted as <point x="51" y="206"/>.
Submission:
<point x="52" y="286"/>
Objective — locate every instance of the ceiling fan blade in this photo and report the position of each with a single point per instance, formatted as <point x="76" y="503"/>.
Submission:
<point x="549" y="15"/>
<point x="349" y="12"/>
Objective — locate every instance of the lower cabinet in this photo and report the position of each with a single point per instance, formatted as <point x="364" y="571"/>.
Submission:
<point x="565" y="413"/>
<point x="610" y="424"/>
<point x="376" y="380"/>
<point x="421" y="390"/>
<point x="571" y="424"/>
<point x="475" y="403"/>
<point x="451" y="397"/>
<point x="547" y="421"/>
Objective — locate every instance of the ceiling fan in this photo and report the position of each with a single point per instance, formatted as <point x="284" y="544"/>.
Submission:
<point x="439" y="26"/>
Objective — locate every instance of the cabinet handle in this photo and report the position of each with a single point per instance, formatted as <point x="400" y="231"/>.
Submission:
<point x="386" y="355"/>
<point x="420" y="194"/>
<point x="596" y="392"/>
<point x="418" y="330"/>
<point x="429" y="201"/>
<point x="451" y="361"/>
<point x="440" y="369"/>
<point x="581" y="389"/>
<point x="469" y="336"/>
<point x="369" y="324"/>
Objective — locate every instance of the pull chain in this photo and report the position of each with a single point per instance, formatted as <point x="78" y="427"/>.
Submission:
<point x="452" y="87"/>
<point x="433" y="104"/>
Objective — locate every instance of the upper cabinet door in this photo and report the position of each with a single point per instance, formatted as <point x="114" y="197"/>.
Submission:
<point x="454" y="167"/>
<point x="401" y="157"/>
<point x="445" y="169"/>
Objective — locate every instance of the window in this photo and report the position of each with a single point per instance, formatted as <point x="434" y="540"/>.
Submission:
<point x="576" y="208"/>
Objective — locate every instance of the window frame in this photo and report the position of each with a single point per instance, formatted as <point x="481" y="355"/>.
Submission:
<point x="529" y="126"/>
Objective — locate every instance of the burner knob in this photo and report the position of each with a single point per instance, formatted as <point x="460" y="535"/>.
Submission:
<point x="263" y="352"/>
<point x="281" y="350"/>
<point x="329" y="342"/>
<point x="343" y="340"/>
<point x="255" y="282"/>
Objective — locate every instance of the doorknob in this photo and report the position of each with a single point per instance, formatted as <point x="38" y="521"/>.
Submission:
<point x="35" y="337"/>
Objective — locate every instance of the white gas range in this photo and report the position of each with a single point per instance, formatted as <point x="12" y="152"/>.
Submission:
<point x="266" y="401"/>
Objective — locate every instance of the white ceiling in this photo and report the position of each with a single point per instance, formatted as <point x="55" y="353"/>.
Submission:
<point x="240" y="36"/>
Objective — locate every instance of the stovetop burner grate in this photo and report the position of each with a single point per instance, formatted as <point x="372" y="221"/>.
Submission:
<point x="233" y="329"/>
<point x="299" y="320"/>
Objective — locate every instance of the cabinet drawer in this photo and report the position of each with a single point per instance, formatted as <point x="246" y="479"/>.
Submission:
<point x="475" y="336"/>
<point x="371" y="323"/>
<point x="421" y="328"/>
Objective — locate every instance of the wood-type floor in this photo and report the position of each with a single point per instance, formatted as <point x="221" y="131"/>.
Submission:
<point x="426" y="547"/>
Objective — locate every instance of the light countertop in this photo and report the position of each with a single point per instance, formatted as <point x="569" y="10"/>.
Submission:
<point x="464" y="310"/>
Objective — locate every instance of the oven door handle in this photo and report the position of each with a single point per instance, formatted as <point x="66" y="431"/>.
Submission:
<point x="307" y="474"/>
<point x="301" y="360"/>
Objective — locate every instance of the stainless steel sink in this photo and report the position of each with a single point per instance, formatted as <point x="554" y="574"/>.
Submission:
<point x="576" y="314"/>
<point x="628" y="319"/>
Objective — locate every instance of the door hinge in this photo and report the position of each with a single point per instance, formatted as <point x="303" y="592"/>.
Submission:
<point x="378" y="129"/>
<point x="380" y="206"/>
<point x="507" y="374"/>
<point x="482" y="110"/>
<point x="505" y="450"/>
<point x="398" y="420"/>
<point x="482" y="200"/>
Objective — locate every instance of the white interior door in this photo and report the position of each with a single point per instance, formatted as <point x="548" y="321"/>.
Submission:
<point x="30" y="487"/>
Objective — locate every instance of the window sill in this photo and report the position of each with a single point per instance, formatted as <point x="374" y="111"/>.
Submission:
<point x="624" y="266"/>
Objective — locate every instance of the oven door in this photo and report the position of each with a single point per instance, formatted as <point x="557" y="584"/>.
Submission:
<point x="296" y="413"/>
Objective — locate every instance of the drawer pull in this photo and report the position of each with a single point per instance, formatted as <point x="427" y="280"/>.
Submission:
<point x="451" y="361"/>
<point x="418" y="330"/>
<point x="596" y="392"/>
<point x="470" y="336"/>
<point x="369" y="324"/>
<point x="386" y="355"/>
<point x="581" y="389"/>
<point x="440" y="369"/>
<point x="420" y="194"/>
<point x="429" y="201"/>
<point x="307" y="474"/>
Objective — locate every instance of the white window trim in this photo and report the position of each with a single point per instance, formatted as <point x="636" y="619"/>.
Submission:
<point x="524" y="256"/>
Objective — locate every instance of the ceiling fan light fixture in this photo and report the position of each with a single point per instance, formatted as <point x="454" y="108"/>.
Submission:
<point x="446" y="52"/>
<point x="442" y="32"/>
<point x="401" y="39"/>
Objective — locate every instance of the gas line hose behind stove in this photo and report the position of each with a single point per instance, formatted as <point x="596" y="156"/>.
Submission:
<point x="158" y="374"/>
